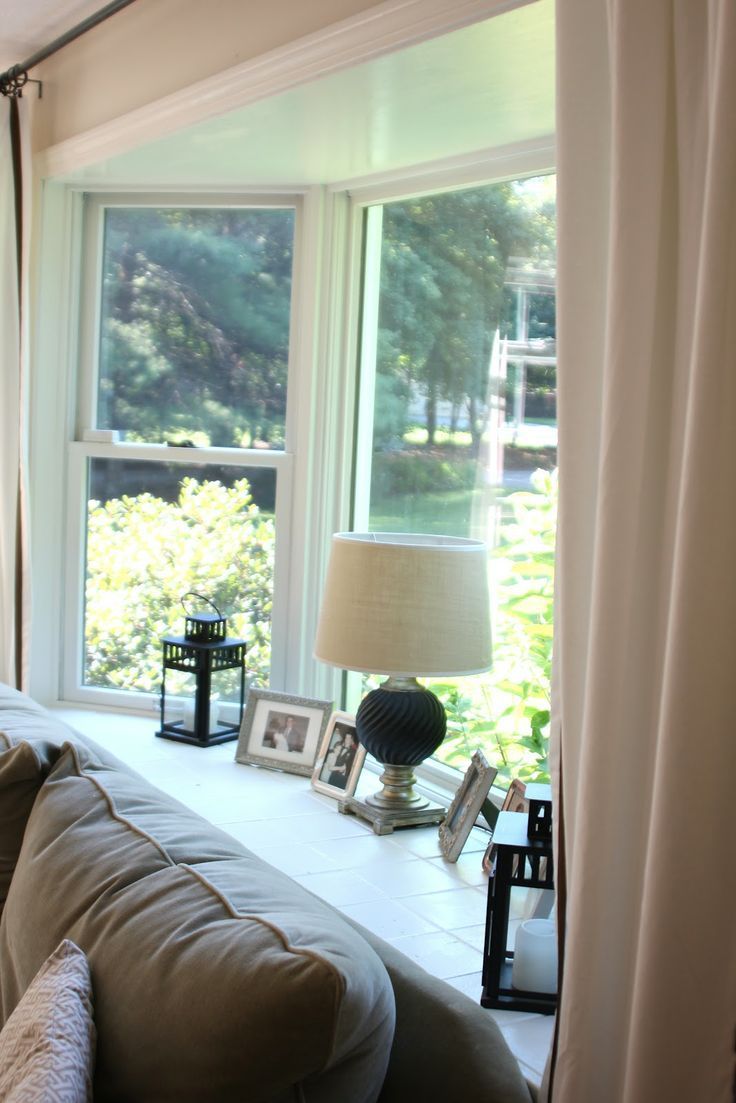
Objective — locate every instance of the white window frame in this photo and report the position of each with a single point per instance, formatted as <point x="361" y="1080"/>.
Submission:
<point x="324" y="461"/>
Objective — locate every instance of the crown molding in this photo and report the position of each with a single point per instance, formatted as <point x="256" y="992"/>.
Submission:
<point x="381" y="29"/>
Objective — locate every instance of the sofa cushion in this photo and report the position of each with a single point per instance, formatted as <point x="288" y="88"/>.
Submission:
<point x="23" y="768"/>
<point x="47" y="1044"/>
<point x="216" y="977"/>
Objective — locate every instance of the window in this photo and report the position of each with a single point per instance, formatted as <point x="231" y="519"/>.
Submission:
<point x="458" y="432"/>
<point x="180" y="467"/>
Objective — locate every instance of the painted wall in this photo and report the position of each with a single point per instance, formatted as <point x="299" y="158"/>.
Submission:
<point x="156" y="47"/>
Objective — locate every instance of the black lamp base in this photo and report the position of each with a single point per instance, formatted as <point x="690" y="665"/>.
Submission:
<point x="400" y="724"/>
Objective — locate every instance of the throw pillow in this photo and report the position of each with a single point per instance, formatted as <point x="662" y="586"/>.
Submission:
<point x="47" y="1044"/>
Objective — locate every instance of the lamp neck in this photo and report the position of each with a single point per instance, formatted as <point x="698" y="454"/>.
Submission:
<point x="401" y="683"/>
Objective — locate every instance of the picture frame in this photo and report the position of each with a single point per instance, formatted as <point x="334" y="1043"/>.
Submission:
<point x="465" y="807"/>
<point x="281" y="731"/>
<point x="338" y="767"/>
<point x="514" y="801"/>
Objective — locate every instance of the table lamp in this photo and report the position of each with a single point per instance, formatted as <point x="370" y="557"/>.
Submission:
<point x="406" y="606"/>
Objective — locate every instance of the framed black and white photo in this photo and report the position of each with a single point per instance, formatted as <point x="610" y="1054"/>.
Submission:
<point x="467" y="803"/>
<point x="281" y="731"/>
<point x="340" y="758"/>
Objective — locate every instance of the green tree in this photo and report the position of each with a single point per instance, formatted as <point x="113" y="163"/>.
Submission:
<point x="443" y="275"/>
<point x="195" y="324"/>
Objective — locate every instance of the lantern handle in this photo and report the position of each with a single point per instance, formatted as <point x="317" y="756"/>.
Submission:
<point x="193" y="593"/>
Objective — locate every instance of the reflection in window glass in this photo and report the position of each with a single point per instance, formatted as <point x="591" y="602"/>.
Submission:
<point x="156" y="531"/>
<point x="195" y="325"/>
<point x="465" y="434"/>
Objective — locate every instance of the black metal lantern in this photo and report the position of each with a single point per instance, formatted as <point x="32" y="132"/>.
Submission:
<point x="523" y="860"/>
<point x="202" y="651"/>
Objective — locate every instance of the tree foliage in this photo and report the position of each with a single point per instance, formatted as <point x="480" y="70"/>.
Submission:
<point x="144" y="554"/>
<point x="195" y="324"/>
<point x="443" y="295"/>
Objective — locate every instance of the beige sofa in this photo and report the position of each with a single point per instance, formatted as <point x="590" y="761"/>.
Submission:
<point x="215" y="977"/>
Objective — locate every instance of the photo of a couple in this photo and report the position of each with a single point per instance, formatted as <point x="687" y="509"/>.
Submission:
<point x="284" y="732"/>
<point x="340" y="758"/>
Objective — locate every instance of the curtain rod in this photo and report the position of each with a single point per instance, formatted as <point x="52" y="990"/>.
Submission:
<point x="13" y="79"/>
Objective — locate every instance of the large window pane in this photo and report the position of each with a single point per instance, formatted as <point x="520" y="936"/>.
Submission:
<point x="464" y="430"/>
<point x="195" y="325"/>
<point x="156" y="531"/>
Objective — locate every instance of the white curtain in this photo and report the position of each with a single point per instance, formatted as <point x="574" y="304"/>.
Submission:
<point x="645" y="666"/>
<point x="14" y="586"/>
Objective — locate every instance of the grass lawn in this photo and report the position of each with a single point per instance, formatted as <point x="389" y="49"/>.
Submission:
<point x="445" y="514"/>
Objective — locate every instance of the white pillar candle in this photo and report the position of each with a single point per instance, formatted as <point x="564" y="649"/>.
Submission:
<point x="189" y="714"/>
<point x="535" y="956"/>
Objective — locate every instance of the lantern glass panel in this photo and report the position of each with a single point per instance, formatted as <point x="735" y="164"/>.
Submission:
<point x="156" y="531"/>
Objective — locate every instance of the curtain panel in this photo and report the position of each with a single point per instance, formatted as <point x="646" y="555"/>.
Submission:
<point x="15" y="199"/>
<point x="644" y="747"/>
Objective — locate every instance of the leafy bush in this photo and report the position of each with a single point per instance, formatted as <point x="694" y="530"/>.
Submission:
<point x="144" y="553"/>
<point x="506" y="711"/>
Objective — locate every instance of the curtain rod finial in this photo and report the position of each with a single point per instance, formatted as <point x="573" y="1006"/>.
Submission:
<point x="12" y="81"/>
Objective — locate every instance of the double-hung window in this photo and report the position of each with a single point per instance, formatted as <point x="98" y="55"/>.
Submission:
<point x="180" y="472"/>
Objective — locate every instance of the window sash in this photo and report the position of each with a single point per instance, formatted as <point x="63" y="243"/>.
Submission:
<point x="80" y="450"/>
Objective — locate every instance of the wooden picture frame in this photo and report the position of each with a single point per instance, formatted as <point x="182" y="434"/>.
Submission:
<point x="281" y="731"/>
<point x="514" y="801"/>
<point x="338" y="766"/>
<point x="465" y="807"/>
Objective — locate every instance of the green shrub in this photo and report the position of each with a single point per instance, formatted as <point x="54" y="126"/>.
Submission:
<point x="144" y="553"/>
<point x="506" y="711"/>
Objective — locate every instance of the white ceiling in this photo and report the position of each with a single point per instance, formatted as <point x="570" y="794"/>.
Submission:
<point x="485" y="86"/>
<point x="28" y="25"/>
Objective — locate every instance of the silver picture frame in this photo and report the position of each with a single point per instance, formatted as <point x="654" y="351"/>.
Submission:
<point x="336" y="761"/>
<point x="281" y="731"/>
<point x="466" y="806"/>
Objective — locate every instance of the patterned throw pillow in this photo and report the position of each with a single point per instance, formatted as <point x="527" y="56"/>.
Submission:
<point x="47" y="1045"/>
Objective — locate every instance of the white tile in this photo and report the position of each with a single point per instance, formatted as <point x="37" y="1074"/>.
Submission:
<point x="510" y="1018"/>
<point x="388" y="918"/>
<point x="401" y="879"/>
<point x="470" y="984"/>
<point x="291" y="829"/>
<point x="356" y="851"/>
<point x="477" y="841"/>
<point x="467" y="870"/>
<point x="474" y="936"/>
<point x="440" y="954"/>
<point x="530" y="1040"/>
<point x="297" y="859"/>
<point x="450" y="910"/>
<point x="338" y="888"/>
<point x="422" y="841"/>
<point x="530" y="1075"/>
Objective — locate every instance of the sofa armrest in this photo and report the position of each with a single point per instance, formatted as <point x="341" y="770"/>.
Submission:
<point x="445" y="1046"/>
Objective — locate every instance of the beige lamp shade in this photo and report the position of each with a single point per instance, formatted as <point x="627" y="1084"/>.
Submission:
<point x="405" y="604"/>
